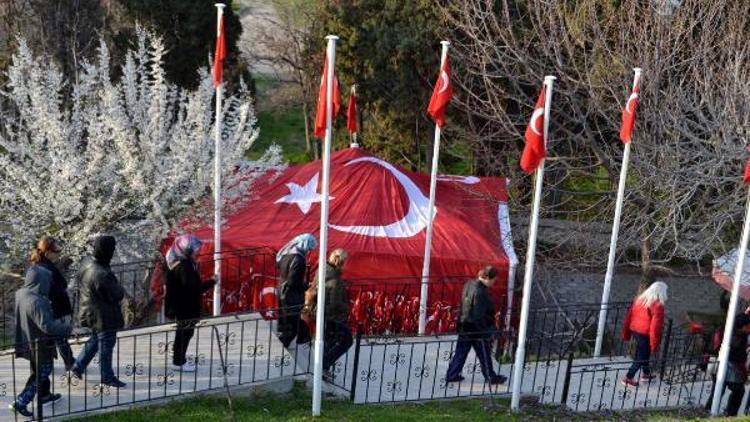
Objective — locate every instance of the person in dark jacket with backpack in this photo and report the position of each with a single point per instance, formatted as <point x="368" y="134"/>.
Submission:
<point x="46" y="254"/>
<point x="183" y="298"/>
<point x="736" y="375"/>
<point x="35" y="335"/>
<point x="291" y="261"/>
<point x="101" y="298"/>
<point x="476" y="326"/>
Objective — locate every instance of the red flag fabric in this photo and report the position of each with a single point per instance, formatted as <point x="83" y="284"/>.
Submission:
<point x="534" y="151"/>
<point x="441" y="94"/>
<point x="220" y="54"/>
<point x="320" y="115"/>
<point x="628" y="115"/>
<point x="351" y="113"/>
<point x="746" y="179"/>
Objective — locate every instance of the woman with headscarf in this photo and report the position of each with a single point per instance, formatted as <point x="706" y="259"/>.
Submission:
<point x="291" y="261"/>
<point x="183" y="298"/>
<point x="644" y="322"/>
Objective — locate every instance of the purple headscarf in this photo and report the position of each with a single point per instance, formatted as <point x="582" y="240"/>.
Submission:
<point x="184" y="246"/>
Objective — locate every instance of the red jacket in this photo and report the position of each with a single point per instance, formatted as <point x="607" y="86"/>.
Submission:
<point x="646" y="321"/>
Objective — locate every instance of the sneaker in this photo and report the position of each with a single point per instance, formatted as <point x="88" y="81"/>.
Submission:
<point x="186" y="367"/>
<point x="498" y="379"/>
<point x="114" y="382"/>
<point x="629" y="382"/>
<point x="647" y="378"/>
<point x="51" y="398"/>
<point x="21" y="410"/>
<point x="455" y="379"/>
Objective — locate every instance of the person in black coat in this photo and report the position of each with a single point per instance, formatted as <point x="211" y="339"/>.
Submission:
<point x="291" y="261"/>
<point x="475" y="328"/>
<point x="46" y="255"/>
<point x="183" y="298"/>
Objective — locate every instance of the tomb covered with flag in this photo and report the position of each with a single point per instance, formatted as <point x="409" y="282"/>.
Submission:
<point x="378" y="214"/>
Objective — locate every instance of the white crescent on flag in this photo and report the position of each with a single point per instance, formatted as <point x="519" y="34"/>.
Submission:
<point x="534" y="117"/>
<point x="444" y="81"/>
<point x="628" y="108"/>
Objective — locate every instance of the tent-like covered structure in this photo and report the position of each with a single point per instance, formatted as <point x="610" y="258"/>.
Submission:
<point x="378" y="214"/>
<point x="723" y="273"/>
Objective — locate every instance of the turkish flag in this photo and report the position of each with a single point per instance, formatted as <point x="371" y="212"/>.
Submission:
<point x="351" y="113"/>
<point x="628" y="115"/>
<point x="746" y="179"/>
<point x="220" y="54"/>
<point x="320" y="115"/>
<point x="534" y="151"/>
<point x="441" y="94"/>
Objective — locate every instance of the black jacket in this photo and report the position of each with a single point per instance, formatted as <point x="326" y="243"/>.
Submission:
<point x="292" y="283"/>
<point x="58" y="292"/>
<point x="337" y="301"/>
<point x="477" y="312"/>
<point x="35" y="324"/>
<point x="101" y="298"/>
<point x="184" y="290"/>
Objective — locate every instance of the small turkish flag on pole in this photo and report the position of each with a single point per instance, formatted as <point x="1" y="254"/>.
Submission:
<point x="221" y="50"/>
<point x="746" y="179"/>
<point x="351" y="112"/>
<point x="320" y="115"/>
<point x="628" y="113"/>
<point x="534" y="151"/>
<point x="441" y="94"/>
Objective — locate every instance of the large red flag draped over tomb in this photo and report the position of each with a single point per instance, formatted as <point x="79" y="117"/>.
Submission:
<point x="378" y="214"/>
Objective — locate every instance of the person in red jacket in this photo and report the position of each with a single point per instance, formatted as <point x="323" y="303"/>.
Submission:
<point x="644" y="322"/>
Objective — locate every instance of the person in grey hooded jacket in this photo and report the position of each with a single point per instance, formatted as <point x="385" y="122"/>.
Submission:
<point x="36" y="333"/>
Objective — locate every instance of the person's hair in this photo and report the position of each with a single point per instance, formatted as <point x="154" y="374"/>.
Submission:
<point x="740" y="321"/>
<point x="339" y="256"/>
<point x="656" y="292"/>
<point x="489" y="272"/>
<point x="44" y="245"/>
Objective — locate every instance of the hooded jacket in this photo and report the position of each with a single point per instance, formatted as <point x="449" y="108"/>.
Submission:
<point x="58" y="293"/>
<point x="101" y="293"/>
<point x="34" y="319"/>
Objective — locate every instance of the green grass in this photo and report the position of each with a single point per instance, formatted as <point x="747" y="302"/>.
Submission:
<point x="296" y="407"/>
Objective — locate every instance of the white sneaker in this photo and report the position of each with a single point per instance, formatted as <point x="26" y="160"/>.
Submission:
<point x="187" y="367"/>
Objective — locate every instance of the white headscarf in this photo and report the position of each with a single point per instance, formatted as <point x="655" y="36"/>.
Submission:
<point x="301" y="245"/>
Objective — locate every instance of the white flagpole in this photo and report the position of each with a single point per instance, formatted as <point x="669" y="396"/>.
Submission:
<point x="729" y="325"/>
<point x="428" y="241"/>
<point x="217" y="183"/>
<point x="613" y="240"/>
<point x="530" y="255"/>
<point x="322" y="254"/>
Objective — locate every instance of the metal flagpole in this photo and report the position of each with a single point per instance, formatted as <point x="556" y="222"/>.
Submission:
<point x="217" y="181"/>
<point x="322" y="254"/>
<point x="729" y="325"/>
<point x="428" y="241"/>
<point x="530" y="254"/>
<point x="613" y="240"/>
<point x="353" y="136"/>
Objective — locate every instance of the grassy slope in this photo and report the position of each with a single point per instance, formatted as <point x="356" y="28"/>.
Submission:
<point x="296" y="407"/>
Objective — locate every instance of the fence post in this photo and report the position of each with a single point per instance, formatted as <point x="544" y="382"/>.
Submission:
<point x="665" y="351"/>
<point x="566" y="382"/>
<point x="38" y="380"/>
<point x="357" y="343"/>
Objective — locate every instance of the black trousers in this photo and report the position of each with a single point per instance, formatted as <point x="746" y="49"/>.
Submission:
<point x="737" y="392"/>
<point x="290" y="326"/>
<point x="185" y="331"/>
<point x="642" y="356"/>
<point x="338" y="340"/>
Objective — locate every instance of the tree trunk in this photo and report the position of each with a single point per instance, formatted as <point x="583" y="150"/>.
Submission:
<point x="308" y="145"/>
<point x="647" y="273"/>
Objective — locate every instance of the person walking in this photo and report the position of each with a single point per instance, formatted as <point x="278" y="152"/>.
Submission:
<point x="644" y="322"/>
<point x="291" y="261"/>
<point x="101" y="311"/>
<point x="36" y="332"/>
<point x="47" y="254"/>
<point x="736" y="366"/>
<point x="183" y="298"/>
<point x="476" y="325"/>
<point x="338" y="336"/>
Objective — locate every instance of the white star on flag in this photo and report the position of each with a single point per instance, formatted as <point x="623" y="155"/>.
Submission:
<point x="303" y="196"/>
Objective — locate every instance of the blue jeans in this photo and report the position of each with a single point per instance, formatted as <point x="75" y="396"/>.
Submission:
<point x="483" y="350"/>
<point x="104" y="343"/>
<point x="28" y="393"/>
<point x="642" y="356"/>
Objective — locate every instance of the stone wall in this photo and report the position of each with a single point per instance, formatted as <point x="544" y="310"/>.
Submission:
<point x="685" y="293"/>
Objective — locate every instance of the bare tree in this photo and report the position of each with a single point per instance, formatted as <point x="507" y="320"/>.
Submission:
<point x="684" y="193"/>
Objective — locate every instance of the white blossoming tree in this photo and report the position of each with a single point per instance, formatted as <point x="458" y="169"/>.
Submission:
<point x="131" y="155"/>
